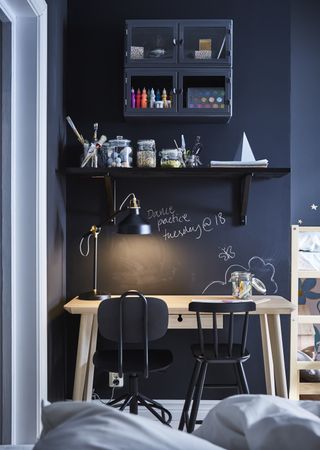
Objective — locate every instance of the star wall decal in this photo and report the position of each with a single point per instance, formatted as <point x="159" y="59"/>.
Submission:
<point x="314" y="207"/>
<point x="300" y="222"/>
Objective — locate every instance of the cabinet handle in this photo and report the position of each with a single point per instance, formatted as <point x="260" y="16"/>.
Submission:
<point x="180" y="318"/>
<point x="174" y="90"/>
<point x="174" y="41"/>
<point x="181" y="41"/>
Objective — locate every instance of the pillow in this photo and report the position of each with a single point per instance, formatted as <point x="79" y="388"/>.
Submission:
<point x="309" y="242"/>
<point x="86" y="426"/>
<point x="312" y="375"/>
<point x="262" y="422"/>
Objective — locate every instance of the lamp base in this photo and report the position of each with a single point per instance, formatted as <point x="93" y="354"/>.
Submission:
<point x="94" y="295"/>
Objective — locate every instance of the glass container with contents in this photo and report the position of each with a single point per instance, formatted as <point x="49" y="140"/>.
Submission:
<point x="171" y="158"/>
<point x="146" y="153"/>
<point x="119" y="152"/>
<point x="242" y="283"/>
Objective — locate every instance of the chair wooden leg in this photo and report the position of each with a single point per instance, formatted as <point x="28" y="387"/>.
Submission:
<point x="197" y="397"/>
<point x="244" y="383"/>
<point x="190" y="391"/>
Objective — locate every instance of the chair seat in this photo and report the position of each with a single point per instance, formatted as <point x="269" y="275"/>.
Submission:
<point x="223" y="353"/>
<point x="133" y="360"/>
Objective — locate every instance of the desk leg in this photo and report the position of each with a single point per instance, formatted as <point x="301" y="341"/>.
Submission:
<point x="84" y="339"/>
<point x="267" y="355"/>
<point x="90" y="367"/>
<point x="278" y="355"/>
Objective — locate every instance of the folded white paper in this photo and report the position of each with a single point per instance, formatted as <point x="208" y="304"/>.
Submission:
<point x="259" y="163"/>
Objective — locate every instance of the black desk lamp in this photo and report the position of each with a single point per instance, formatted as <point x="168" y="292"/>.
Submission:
<point x="133" y="223"/>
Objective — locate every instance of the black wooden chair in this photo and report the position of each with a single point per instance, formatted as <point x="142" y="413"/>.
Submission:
<point x="132" y="321"/>
<point x="216" y="352"/>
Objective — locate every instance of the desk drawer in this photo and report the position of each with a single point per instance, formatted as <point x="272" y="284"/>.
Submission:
<point x="190" y="321"/>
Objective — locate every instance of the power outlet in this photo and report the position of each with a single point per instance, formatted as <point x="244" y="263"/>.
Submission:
<point x="114" y="380"/>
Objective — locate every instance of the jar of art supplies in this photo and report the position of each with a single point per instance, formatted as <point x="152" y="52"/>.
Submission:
<point x="146" y="153"/>
<point x="171" y="158"/>
<point x="119" y="152"/>
<point x="242" y="284"/>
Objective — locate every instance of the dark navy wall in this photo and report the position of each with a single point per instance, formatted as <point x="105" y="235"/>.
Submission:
<point x="57" y="15"/>
<point x="305" y="119"/>
<point x="261" y="85"/>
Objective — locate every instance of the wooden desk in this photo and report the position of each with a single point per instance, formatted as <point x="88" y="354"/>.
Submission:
<point x="269" y="309"/>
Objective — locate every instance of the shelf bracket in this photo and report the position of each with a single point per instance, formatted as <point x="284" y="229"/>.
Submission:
<point x="110" y="185"/>
<point x="245" y="184"/>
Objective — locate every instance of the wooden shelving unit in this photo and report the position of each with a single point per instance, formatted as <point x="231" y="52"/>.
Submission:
<point x="244" y="175"/>
<point x="298" y="388"/>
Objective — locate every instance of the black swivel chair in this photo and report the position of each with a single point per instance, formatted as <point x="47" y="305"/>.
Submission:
<point x="216" y="352"/>
<point x="127" y="320"/>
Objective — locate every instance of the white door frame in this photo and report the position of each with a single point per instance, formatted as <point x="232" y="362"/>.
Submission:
<point x="28" y="215"/>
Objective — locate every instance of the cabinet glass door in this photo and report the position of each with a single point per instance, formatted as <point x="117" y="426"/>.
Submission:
<point x="205" y="43"/>
<point x="150" y="92"/>
<point x="205" y="93"/>
<point x="151" y="44"/>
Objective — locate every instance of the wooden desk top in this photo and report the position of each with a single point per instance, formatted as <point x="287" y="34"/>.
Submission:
<point x="178" y="304"/>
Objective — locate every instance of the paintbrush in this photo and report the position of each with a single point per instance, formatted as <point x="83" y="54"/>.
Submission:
<point x="180" y="150"/>
<point x="175" y="143"/>
<point x="94" y="147"/>
<point x="95" y="132"/>
<point x="76" y="132"/>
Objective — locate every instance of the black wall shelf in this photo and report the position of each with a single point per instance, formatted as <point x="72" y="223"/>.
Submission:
<point x="209" y="172"/>
<point x="245" y="175"/>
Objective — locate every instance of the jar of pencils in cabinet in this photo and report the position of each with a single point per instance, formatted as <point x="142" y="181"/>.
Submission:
<point x="146" y="153"/>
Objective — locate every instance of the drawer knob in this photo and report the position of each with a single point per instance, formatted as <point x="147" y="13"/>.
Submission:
<point x="180" y="318"/>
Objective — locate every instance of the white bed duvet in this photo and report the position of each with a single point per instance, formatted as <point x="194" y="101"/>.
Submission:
<point x="242" y="422"/>
<point x="263" y="422"/>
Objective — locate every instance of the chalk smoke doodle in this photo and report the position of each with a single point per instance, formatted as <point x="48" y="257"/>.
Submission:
<point x="265" y="271"/>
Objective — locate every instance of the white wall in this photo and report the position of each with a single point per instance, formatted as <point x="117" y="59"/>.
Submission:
<point x="28" y="215"/>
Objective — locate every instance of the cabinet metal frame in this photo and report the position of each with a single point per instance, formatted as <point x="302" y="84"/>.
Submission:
<point x="218" y="23"/>
<point x="202" y="112"/>
<point x="150" y="62"/>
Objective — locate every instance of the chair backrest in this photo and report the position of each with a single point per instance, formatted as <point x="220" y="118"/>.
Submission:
<point x="228" y="309"/>
<point x="133" y="319"/>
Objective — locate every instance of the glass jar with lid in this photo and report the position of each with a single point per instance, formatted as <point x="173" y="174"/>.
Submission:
<point x="171" y="158"/>
<point x="242" y="284"/>
<point x="119" y="152"/>
<point x="146" y="153"/>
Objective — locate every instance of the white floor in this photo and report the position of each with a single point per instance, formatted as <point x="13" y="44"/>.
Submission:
<point x="175" y="407"/>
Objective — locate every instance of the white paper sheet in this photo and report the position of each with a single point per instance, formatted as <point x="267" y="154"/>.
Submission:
<point x="259" y="163"/>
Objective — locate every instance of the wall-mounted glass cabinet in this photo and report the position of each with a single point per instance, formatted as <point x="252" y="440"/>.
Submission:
<point x="178" y="68"/>
<point x="205" y="42"/>
<point x="151" y="42"/>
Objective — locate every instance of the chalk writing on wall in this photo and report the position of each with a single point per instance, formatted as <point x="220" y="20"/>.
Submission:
<point x="226" y="253"/>
<point x="263" y="270"/>
<point x="172" y="224"/>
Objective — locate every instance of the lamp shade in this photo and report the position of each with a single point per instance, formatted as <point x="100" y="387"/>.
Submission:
<point x="134" y="223"/>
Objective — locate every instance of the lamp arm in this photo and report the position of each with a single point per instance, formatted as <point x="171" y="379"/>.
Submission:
<point x="108" y="220"/>
<point x="95" y="229"/>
